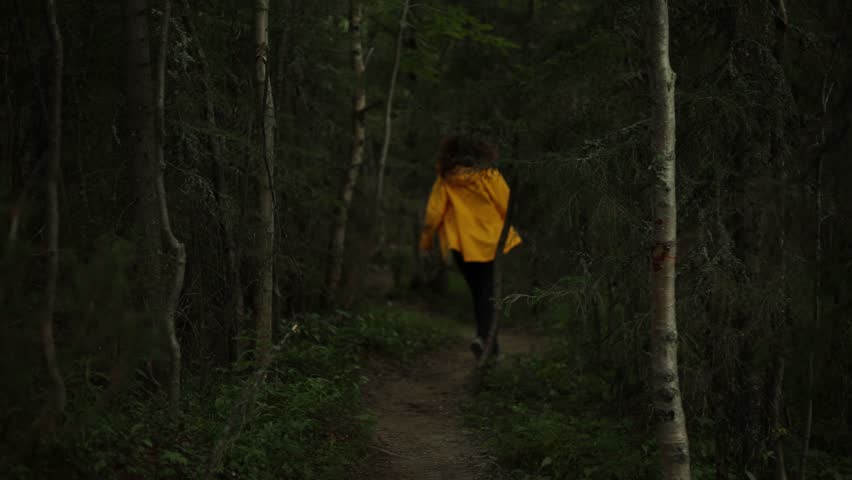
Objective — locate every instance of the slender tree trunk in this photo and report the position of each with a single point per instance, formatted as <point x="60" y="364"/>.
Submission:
<point x="356" y="158"/>
<point x="236" y="307"/>
<point x="170" y="307"/>
<point x="282" y="89"/>
<point x="817" y="309"/>
<point x="668" y="410"/>
<point x="57" y="396"/>
<point x="140" y="123"/>
<point x="265" y="174"/>
<point x="817" y="305"/>
<point x="777" y="434"/>
<point x="380" y="181"/>
<point x="782" y="24"/>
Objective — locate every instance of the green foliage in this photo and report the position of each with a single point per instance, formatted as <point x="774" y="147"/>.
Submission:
<point x="825" y="466"/>
<point x="307" y="421"/>
<point x="400" y="333"/>
<point x="456" y="23"/>
<point x="545" y="420"/>
<point x="563" y="88"/>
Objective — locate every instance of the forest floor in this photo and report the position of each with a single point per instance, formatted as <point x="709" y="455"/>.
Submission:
<point x="420" y="429"/>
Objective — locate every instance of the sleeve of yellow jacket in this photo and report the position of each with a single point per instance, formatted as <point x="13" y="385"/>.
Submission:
<point x="498" y="190"/>
<point x="435" y="210"/>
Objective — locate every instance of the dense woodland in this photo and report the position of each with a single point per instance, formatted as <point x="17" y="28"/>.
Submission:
<point x="207" y="207"/>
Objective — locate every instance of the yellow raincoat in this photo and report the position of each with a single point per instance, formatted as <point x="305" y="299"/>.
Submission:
<point x="467" y="208"/>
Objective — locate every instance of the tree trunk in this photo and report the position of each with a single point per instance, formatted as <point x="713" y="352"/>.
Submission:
<point x="817" y="312"/>
<point x="282" y="89"/>
<point x="781" y="24"/>
<point x="173" y="295"/>
<point x="817" y="304"/>
<point x="777" y="430"/>
<point x="665" y="389"/>
<point x="359" y="102"/>
<point x="776" y="433"/>
<point x="380" y="181"/>
<point x="236" y="307"/>
<point x="56" y="400"/>
<point x="265" y="174"/>
<point x="144" y="169"/>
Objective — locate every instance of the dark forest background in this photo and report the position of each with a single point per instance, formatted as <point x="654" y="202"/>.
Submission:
<point x="765" y="222"/>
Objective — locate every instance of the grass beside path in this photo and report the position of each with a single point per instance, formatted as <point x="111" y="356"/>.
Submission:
<point x="308" y="421"/>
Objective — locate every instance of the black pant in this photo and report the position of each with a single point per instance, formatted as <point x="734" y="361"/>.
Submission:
<point x="480" y="280"/>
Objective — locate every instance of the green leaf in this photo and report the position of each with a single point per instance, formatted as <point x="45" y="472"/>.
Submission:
<point x="176" y="458"/>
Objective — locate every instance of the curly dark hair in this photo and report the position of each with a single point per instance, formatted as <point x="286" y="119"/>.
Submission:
<point x="461" y="148"/>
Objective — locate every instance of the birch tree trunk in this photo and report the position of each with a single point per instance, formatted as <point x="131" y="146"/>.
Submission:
<point x="144" y="169"/>
<point x="383" y="159"/>
<point x="236" y="307"/>
<point x="56" y="400"/>
<point x="356" y="157"/>
<point x="168" y="310"/>
<point x="265" y="173"/>
<point x="668" y="411"/>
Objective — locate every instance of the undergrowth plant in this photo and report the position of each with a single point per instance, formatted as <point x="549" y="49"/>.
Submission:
<point x="563" y="415"/>
<point x="307" y="421"/>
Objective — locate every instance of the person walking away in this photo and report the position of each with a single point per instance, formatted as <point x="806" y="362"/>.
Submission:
<point x="467" y="207"/>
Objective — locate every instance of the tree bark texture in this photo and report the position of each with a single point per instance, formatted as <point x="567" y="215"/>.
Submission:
<point x="144" y="168"/>
<point x="356" y="157"/>
<point x="383" y="159"/>
<point x="265" y="232"/>
<point x="173" y="294"/>
<point x="56" y="398"/>
<point x="665" y="389"/>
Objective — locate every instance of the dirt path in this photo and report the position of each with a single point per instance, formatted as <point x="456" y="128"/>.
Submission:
<point x="420" y="432"/>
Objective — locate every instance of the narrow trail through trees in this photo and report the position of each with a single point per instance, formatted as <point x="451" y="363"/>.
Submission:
<point x="420" y="431"/>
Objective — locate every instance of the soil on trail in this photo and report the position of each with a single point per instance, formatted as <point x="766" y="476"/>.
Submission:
<point x="420" y="433"/>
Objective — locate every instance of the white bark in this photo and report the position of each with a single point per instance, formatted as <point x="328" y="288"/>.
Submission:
<point x="356" y="157"/>
<point x="668" y="410"/>
<point x="265" y="175"/>
<point x="170" y="307"/>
